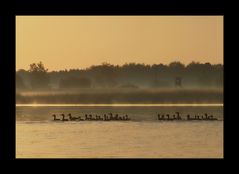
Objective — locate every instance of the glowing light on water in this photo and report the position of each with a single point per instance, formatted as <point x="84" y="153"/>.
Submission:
<point x="122" y="105"/>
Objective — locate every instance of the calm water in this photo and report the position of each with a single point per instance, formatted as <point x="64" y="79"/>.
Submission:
<point x="144" y="136"/>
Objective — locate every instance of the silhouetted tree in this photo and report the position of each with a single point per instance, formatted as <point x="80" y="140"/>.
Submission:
<point x="105" y="75"/>
<point x="177" y="70"/>
<point x="194" y="74"/>
<point x="38" y="76"/>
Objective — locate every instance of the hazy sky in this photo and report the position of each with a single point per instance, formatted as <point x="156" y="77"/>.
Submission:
<point x="64" y="42"/>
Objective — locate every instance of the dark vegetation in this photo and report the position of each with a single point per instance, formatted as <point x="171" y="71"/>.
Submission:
<point x="129" y="83"/>
<point x="126" y="76"/>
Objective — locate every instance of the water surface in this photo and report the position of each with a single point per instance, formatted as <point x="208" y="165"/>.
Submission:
<point x="144" y="136"/>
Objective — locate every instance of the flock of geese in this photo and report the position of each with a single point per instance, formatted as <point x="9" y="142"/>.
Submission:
<point x="116" y="117"/>
<point x="178" y="117"/>
<point x="89" y="117"/>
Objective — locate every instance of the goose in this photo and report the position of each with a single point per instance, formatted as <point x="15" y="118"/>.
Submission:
<point x="105" y="117"/>
<point x="206" y="116"/>
<point x="188" y="117"/>
<point x="211" y="118"/>
<point x="127" y="118"/>
<point x="72" y="118"/>
<point x="86" y="117"/>
<point x="197" y="117"/>
<point x="111" y="116"/>
<point x="55" y="119"/>
<point x="80" y="119"/>
<point x="90" y="117"/>
<point x="63" y="118"/>
<point x="168" y="117"/>
<point x="116" y="117"/>
<point x="178" y="116"/>
<point x="101" y="118"/>
<point x="159" y="118"/>
<point x="97" y="118"/>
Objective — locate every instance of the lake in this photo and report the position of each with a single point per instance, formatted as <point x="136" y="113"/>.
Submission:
<point x="37" y="136"/>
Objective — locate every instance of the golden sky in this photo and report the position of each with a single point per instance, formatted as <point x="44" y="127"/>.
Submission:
<point x="67" y="42"/>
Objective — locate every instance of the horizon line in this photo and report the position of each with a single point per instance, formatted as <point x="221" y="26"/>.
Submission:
<point x="125" y="104"/>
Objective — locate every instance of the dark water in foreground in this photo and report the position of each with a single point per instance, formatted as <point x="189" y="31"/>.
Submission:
<point x="38" y="136"/>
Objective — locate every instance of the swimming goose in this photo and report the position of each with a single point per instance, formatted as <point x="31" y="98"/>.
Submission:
<point x="55" y="119"/>
<point x="127" y="118"/>
<point x="80" y="119"/>
<point x="106" y="117"/>
<point x="116" y="117"/>
<point x="188" y="117"/>
<point x="211" y="118"/>
<point x="111" y="116"/>
<point x="159" y="118"/>
<point x="168" y="117"/>
<point x="63" y="118"/>
<point x="178" y="116"/>
<point x="72" y="118"/>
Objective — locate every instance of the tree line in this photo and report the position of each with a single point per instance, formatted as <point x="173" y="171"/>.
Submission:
<point x="129" y="75"/>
